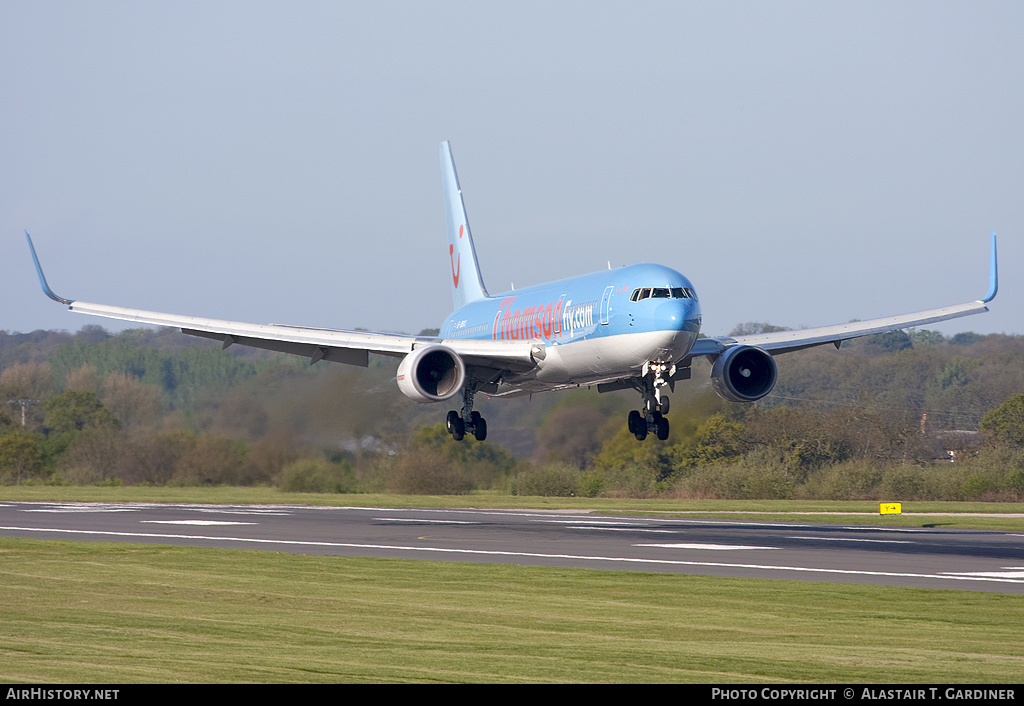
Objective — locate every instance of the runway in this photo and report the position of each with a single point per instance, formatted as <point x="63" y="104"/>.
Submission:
<point x="976" y="560"/>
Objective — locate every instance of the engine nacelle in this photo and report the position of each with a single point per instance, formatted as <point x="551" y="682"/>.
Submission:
<point x="743" y="374"/>
<point x="431" y="374"/>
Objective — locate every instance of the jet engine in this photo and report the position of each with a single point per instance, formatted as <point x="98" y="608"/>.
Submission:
<point x="743" y="374"/>
<point x="431" y="374"/>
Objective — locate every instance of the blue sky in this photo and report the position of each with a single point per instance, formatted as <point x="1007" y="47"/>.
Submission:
<point x="803" y="163"/>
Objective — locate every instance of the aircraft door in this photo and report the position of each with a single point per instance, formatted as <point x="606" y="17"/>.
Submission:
<point x="606" y="301"/>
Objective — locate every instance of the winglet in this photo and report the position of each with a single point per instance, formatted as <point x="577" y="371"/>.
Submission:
<point x="42" y="278"/>
<point x="993" y="274"/>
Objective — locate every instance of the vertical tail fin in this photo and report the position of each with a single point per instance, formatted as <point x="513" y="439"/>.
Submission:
<point x="467" y="284"/>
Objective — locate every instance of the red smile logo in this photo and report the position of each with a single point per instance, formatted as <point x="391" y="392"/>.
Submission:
<point x="456" y="269"/>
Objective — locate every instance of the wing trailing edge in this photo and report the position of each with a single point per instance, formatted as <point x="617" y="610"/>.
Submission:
<point x="335" y="345"/>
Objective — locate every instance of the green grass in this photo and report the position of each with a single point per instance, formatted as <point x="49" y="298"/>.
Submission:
<point x="121" y="613"/>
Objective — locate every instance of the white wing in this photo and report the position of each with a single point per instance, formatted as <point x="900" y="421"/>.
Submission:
<point x="340" y="346"/>
<point x="784" y="341"/>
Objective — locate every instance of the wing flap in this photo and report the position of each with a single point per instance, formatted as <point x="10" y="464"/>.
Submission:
<point x="340" y="346"/>
<point x="349" y="356"/>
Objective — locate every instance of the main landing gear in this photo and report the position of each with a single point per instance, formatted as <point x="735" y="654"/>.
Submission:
<point x="652" y="417"/>
<point x="469" y="422"/>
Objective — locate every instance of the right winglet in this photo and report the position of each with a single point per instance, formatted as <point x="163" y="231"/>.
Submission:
<point x="782" y="341"/>
<point x="42" y="278"/>
<point x="993" y="274"/>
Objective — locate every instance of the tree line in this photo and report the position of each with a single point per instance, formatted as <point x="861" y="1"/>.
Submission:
<point x="901" y="416"/>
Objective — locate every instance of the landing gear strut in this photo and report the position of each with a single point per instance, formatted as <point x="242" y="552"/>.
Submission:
<point x="652" y="417"/>
<point x="469" y="422"/>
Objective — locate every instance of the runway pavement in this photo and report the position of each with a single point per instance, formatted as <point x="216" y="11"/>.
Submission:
<point x="976" y="560"/>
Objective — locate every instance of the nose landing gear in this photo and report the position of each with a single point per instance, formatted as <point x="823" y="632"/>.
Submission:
<point x="652" y="418"/>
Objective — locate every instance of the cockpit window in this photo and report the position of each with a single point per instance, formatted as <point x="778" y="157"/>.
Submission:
<point x="661" y="293"/>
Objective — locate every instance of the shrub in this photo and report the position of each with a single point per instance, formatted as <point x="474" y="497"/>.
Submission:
<point x="426" y="472"/>
<point x="550" y="480"/>
<point x="851" y="480"/>
<point x="317" y="475"/>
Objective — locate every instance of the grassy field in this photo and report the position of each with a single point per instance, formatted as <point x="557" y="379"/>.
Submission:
<point x="121" y="613"/>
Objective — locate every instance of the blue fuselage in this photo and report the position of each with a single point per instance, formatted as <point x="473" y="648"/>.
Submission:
<point x="646" y="310"/>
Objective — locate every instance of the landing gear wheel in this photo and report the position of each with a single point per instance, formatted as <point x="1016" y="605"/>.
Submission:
<point x="664" y="405"/>
<point x="477" y="426"/>
<point x="661" y="428"/>
<point x="480" y="429"/>
<point x="641" y="431"/>
<point x="633" y="421"/>
<point x="456" y="427"/>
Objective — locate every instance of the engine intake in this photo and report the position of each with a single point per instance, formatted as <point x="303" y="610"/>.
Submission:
<point x="431" y="374"/>
<point x="743" y="374"/>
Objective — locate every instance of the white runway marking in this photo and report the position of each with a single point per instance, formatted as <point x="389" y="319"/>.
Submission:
<point x="849" y="539"/>
<point x="738" y="523"/>
<point x="433" y="522"/>
<point x="463" y="511"/>
<point x="884" y="529"/>
<point x="601" y="523"/>
<point x="194" y="522"/>
<point x="605" y="528"/>
<point x="134" y="507"/>
<point x="712" y="547"/>
<point x="1010" y="572"/>
<point x="243" y="511"/>
<point x="531" y="555"/>
<point x="83" y="508"/>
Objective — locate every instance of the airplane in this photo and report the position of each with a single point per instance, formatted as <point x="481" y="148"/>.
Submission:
<point x="634" y="327"/>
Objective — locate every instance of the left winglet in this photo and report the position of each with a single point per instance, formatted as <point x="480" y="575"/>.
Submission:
<point x="42" y="278"/>
<point x="993" y="274"/>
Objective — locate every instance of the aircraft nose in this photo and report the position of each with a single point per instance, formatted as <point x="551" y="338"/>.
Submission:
<point x="673" y="314"/>
<point x="680" y="319"/>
